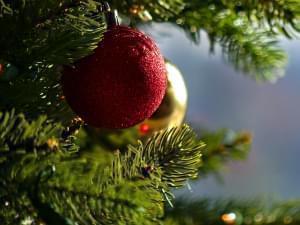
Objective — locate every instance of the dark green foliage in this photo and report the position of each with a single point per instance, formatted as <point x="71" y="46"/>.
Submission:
<point x="49" y="32"/>
<point x="279" y="16"/>
<point x="22" y="144"/>
<point x="40" y="37"/>
<point x="210" y="212"/>
<point x="222" y="146"/>
<point x="15" y="206"/>
<point x="159" y="10"/>
<point x="36" y="96"/>
<point x="174" y="153"/>
<point x="62" y="187"/>
<point x="247" y="30"/>
<point x="248" y="47"/>
<point x="109" y="139"/>
<point x="44" y="176"/>
<point x="20" y="137"/>
<point x="82" y="191"/>
<point x="276" y="15"/>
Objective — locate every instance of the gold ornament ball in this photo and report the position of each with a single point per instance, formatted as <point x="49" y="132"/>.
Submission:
<point x="173" y="108"/>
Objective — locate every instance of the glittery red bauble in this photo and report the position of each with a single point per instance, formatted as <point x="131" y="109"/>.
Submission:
<point x="121" y="84"/>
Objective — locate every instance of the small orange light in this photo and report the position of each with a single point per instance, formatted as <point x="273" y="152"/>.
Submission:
<point x="229" y="218"/>
<point x="144" y="128"/>
<point x="52" y="144"/>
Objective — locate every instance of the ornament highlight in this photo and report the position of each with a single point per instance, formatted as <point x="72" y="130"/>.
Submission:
<point x="172" y="110"/>
<point x="121" y="84"/>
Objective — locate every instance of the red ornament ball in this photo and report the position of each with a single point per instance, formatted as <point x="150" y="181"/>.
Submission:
<point x="121" y="84"/>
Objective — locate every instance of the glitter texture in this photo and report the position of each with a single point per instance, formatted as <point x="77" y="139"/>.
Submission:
<point x="121" y="84"/>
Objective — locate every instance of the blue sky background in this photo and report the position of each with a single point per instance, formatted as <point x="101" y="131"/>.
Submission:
<point x="221" y="97"/>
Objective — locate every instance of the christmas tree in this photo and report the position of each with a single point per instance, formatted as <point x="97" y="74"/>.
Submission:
<point x="91" y="113"/>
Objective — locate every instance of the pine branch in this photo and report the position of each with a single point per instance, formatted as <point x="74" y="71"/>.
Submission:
<point x="20" y="137"/>
<point x="16" y="207"/>
<point x="279" y="16"/>
<point x="249" y="48"/>
<point x="50" y="40"/>
<point x="77" y="189"/>
<point x="246" y="30"/>
<point x="82" y="191"/>
<point x="67" y="189"/>
<point x="257" y="54"/>
<point x="222" y="146"/>
<point x="4" y="9"/>
<point x="159" y="10"/>
<point x="21" y="141"/>
<point x="174" y="155"/>
<point x="210" y="212"/>
<point x="110" y="139"/>
<point x="39" y="38"/>
<point x="167" y="160"/>
<point x="36" y="96"/>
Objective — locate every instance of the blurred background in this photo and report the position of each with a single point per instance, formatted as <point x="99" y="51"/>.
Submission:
<point x="221" y="97"/>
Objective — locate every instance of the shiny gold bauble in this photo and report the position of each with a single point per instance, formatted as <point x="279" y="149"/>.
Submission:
<point x="172" y="110"/>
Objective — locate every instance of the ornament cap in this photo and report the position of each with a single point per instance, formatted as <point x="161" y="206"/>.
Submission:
<point x="112" y="17"/>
